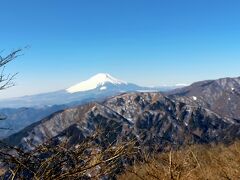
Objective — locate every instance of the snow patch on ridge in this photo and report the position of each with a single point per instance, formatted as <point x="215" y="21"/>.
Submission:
<point x="194" y="98"/>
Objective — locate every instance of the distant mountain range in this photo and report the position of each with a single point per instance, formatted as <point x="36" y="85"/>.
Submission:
<point x="100" y="86"/>
<point x="203" y="112"/>
<point x="23" y="111"/>
<point x="18" y="118"/>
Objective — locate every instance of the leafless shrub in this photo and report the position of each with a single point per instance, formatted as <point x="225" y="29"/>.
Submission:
<point x="83" y="161"/>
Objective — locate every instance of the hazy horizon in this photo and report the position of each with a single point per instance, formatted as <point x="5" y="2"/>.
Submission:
<point x="147" y="43"/>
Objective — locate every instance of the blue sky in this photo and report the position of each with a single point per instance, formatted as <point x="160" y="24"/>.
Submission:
<point x="148" y="42"/>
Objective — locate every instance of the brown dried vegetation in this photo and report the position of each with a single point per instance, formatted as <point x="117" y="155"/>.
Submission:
<point x="60" y="161"/>
<point x="194" y="162"/>
<point x="88" y="160"/>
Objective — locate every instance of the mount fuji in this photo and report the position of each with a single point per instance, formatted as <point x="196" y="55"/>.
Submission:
<point x="95" y="88"/>
<point x="102" y="82"/>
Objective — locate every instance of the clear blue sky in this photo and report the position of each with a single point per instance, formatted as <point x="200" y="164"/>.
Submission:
<point x="148" y="42"/>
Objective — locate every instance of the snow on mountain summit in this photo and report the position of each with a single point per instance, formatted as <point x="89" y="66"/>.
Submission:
<point x="97" y="81"/>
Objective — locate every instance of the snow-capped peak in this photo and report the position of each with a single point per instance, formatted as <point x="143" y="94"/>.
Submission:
<point x="97" y="81"/>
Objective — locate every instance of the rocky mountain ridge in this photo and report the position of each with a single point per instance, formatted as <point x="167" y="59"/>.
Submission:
<point x="155" y="120"/>
<point x="221" y="96"/>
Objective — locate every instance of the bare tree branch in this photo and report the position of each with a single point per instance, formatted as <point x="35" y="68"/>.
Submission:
<point x="13" y="55"/>
<point x="6" y="80"/>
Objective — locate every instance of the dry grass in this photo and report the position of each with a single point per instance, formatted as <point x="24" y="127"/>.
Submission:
<point x="2" y="171"/>
<point x="191" y="163"/>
